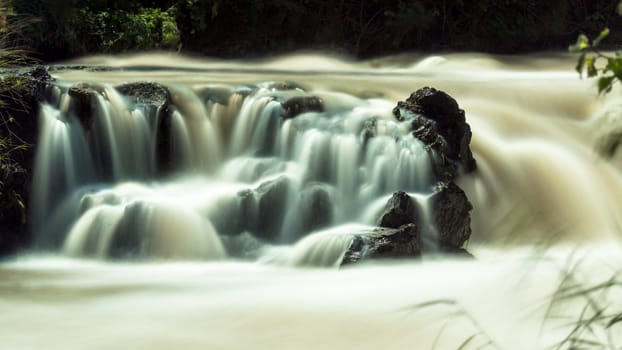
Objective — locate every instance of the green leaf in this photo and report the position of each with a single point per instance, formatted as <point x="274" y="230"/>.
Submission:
<point x="619" y="8"/>
<point x="582" y="43"/>
<point x="591" y="68"/>
<point x="605" y="84"/>
<point x="580" y="64"/>
<point x="601" y="36"/>
<point x="614" y="65"/>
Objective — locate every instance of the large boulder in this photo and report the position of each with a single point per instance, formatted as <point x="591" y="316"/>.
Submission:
<point x="384" y="243"/>
<point x="451" y="216"/>
<point x="450" y="225"/>
<point x="439" y="123"/>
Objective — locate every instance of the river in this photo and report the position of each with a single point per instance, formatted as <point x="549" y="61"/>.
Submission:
<point x="546" y="218"/>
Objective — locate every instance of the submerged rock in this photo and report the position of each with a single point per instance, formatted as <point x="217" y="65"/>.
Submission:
<point x="440" y="124"/>
<point x="243" y="246"/>
<point x="316" y="203"/>
<point x="369" y="130"/>
<point x="272" y="197"/>
<point x="314" y="210"/>
<point x="301" y="104"/>
<point x="384" y="243"/>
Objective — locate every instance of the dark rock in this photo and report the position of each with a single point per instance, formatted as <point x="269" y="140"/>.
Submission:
<point x="156" y="100"/>
<point x="451" y="215"/>
<point x="126" y="241"/>
<point x="83" y="102"/>
<point x="66" y="67"/>
<point x="316" y="207"/>
<point x="441" y="125"/>
<point x="384" y="243"/>
<point x="272" y="197"/>
<point x="314" y="211"/>
<point x="369" y="130"/>
<point x="235" y="215"/>
<point x="400" y="210"/>
<point x="248" y="208"/>
<point x="282" y="86"/>
<point x="295" y="106"/>
<point x="147" y="93"/>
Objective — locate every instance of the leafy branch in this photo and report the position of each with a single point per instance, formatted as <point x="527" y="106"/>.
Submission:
<point x="594" y="63"/>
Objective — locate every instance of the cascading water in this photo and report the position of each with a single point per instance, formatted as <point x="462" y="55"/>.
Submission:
<point x="170" y="222"/>
<point x="238" y="168"/>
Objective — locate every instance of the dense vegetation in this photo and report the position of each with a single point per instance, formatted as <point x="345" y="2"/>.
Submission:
<point x="65" y="28"/>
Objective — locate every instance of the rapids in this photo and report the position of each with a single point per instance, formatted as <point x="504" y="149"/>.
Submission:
<point x="546" y="219"/>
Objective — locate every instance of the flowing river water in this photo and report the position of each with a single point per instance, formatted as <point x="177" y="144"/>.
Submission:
<point x="546" y="219"/>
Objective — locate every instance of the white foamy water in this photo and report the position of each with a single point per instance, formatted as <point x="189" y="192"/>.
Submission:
<point x="139" y="258"/>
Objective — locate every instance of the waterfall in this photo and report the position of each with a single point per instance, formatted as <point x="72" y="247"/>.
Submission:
<point x="133" y="179"/>
<point x="189" y="217"/>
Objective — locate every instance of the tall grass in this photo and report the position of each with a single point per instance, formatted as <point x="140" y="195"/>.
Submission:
<point x="13" y="88"/>
<point x="12" y="85"/>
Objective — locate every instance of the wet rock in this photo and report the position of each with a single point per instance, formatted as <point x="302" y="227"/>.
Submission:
<point x="317" y="205"/>
<point x="83" y="102"/>
<point x="282" y="86"/>
<point x="384" y="243"/>
<point x="440" y="124"/>
<point x="295" y="106"/>
<point x="155" y="99"/>
<point x="369" y="130"/>
<point x="272" y="197"/>
<point x="451" y="215"/>
<point x="400" y="210"/>
<point x="236" y="214"/>
<point x="66" y="67"/>
<point x="248" y="209"/>
<point x="314" y="211"/>
<point x="146" y="93"/>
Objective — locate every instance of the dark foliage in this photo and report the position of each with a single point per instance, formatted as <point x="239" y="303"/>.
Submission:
<point x="65" y="28"/>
